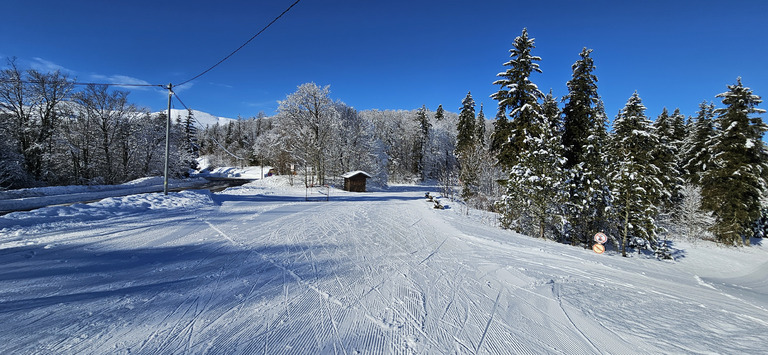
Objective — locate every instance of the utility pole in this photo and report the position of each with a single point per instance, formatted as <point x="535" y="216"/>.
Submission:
<point x="167" y="139"/>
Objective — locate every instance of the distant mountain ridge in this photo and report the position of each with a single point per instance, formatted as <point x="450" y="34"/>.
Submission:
<point x="202" y="119"/>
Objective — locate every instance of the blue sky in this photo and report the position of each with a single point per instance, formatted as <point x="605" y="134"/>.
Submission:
<point x="392" y="54"/>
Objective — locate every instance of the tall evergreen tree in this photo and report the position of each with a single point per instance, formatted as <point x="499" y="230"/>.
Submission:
<point x="465" y="138"/>
<point x="579" y="110"/>
<point x="500" y="136"/>
<point x="421" y="144"/>
<point x="520" y="97"/>
<point x="190" y="135"/>
<point x="695" y="154"/>
<point x="734" y="183"/>
<point x="634" y="183"/>
<point x="535" y="189"/>
<point x="584" y="134"/>
<point x="480" y="127"/>
<point x="440" y="113"/>
<point x="665" y="158"/>
<point x="466" y="144"/>
<point x="679" y="129"/>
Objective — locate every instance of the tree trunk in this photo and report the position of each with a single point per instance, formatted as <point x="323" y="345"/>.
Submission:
<point x="626" y="230"/>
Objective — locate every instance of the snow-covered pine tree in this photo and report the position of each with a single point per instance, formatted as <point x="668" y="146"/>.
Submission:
<point x="584" y="134"/>
<point x="665" y="158"/>
<point x="500" y="136"/>
<point x="190" y="135"/>
<point x="439" y="113"/>
<point x="535" y="192"/>
<point x="480" y="127"/>
<point x="579" y="108"/>
<point x="520" y="97"/>
<point x="679" y="129"/>
<point x="634" y="178"/>
<point x="465" y="148"/>
<point x="734" y="182"/>
<point x="421" y="144"/>
<point x="465" y="138"/>
<point x="695" y="154"/>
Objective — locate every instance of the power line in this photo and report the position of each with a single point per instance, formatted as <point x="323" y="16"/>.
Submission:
<point x="78" y="83"/>
<point x="243" y="45"/>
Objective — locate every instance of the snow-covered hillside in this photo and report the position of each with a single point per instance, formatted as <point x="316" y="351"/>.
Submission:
<point x="257" y="269"/>
<point x="203" y="118"/>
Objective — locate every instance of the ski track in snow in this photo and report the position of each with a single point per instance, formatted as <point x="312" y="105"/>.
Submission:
<point x="261" y="271"/>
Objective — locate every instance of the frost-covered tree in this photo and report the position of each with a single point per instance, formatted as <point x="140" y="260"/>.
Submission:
<point x="111" y="117"/>
<point x="679" y="130"/>
<point x="12" y="172"/>
<point x="355" y="147"/>
<point x="306" y="116"/>
<point x="692" y="221"/>
<point x="535" y="190"/>
<point x="580" y="109"/>
<point x="466" y="148"/>
<point x="34" y="101"/>
<point x="665" y="158"/>
<point x="734" y="182"/>
<point x="695" y="153"/>
<point x="584" y="134"/>
<point x="518" y="97"/>
<point x="635" y="186"/>
<point x="420" y="148"/>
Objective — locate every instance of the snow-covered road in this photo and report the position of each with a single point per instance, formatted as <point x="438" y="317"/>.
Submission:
<point x="259" y="270"/>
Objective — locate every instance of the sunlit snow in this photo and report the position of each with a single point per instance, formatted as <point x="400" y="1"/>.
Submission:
<point x="257" y="269"/>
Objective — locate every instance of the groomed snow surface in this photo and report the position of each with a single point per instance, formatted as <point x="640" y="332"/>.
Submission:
<point x="257" y="269"/>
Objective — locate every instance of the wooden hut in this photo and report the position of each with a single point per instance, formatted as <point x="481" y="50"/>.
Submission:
<point x="354" y="181"/>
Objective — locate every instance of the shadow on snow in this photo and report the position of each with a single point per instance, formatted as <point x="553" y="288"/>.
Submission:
<point x="33" y="277"/>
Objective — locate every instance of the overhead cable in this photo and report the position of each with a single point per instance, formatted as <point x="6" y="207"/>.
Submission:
<point x="243" y="45"/>
<point x="78" y="83"/>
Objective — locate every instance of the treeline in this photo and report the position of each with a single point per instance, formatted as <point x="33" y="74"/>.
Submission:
<point x="567" y="176"/>
<point x="551" y="171"/>
<point x="53" y="132"/>
<point x="317" y="137"/>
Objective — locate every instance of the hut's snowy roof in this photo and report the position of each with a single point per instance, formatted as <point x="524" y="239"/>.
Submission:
<point x="353" y="173"/>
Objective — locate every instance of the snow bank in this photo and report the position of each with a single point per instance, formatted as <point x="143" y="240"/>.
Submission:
<point x="58" y="216"/>
<point x="26" y="199"/>
<point x="250" y="172"/>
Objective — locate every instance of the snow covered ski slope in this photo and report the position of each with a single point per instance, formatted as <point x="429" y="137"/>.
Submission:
<point x="256" y="270"/>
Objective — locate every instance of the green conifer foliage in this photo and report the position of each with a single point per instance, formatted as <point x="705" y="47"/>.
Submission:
<point x="534" y="192"/>
<point x="440" y="113"/>
<point x="695" y="155"/>
<point x="480" y="127"/>
<point x="634" y="177"/>
<point x="665" y="158"/>
<point x="579" y="108"/>
<point x="519" y="97"/>
<point x="465" y="138"/>
<point x="584" y="135"/>
<point x="734" y="182"/>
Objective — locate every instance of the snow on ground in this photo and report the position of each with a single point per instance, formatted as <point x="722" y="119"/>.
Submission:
<point x="256" y="269"/>
<point x="25" y="199"/>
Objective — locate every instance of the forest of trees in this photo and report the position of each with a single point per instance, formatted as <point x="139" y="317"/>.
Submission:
<point x="321" y="139"/>
<point x="53" y="132"/>
<point x="568" y="177"/>
<point x="550" y="167"/>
